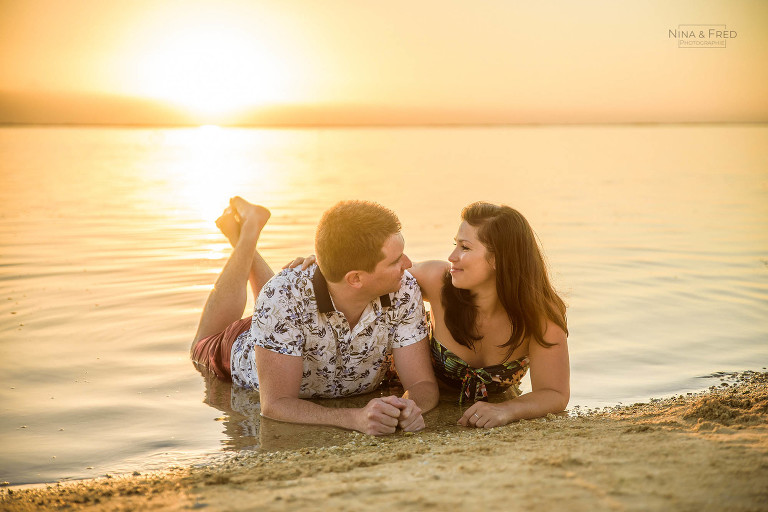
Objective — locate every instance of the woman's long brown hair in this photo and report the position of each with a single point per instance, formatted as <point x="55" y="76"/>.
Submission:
<point x="522" y="283"/>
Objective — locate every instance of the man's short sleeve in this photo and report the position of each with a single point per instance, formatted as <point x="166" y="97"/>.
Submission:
<point x="276" y="324"/>
<point x="408" y="314"/>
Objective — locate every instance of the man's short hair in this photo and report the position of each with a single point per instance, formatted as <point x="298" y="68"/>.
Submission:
<point x="350" y="236"/>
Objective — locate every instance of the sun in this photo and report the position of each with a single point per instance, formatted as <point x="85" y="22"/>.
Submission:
<point x="214" y="70"/>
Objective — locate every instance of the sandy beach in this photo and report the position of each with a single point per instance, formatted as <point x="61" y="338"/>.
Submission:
<point x="696" y="452"/>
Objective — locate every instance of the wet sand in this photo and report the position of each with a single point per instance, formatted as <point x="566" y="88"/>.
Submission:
<point x="697" y="452"/>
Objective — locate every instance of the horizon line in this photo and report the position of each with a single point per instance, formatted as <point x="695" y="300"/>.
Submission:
<point x="310" y="125"/>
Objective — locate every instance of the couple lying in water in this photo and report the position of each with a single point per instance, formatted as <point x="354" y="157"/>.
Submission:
<point x="335" y="327"/>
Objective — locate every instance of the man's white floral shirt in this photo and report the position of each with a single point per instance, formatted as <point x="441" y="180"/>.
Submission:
<point x="294" y="315"/>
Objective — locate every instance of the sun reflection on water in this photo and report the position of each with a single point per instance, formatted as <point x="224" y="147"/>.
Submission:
<point x="212" y="168"/>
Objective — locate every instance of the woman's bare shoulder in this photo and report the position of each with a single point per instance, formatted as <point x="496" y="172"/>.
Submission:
<point x="555" y="334"/>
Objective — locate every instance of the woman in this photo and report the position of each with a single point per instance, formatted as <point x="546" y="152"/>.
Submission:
<point x="494" y="315"/>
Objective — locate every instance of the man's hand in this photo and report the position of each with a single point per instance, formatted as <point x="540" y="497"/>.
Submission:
<point x="304" y="262"/>
<point x="379" y="417"/>
<point x="410" y="419"/>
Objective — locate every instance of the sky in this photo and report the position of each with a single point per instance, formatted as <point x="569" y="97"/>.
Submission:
<point x="375" y="62"/>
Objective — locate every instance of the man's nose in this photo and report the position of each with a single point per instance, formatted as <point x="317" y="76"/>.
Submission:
<point x="407" y="263"/>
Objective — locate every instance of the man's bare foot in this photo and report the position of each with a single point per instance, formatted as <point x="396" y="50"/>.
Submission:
<point x="251" y="217"/>
<point x="229" y="224"/>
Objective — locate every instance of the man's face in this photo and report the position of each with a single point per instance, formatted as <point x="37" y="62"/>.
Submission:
<point x="386" y="277"/>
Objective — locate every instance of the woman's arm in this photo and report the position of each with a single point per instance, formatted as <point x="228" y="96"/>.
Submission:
<point x="550" y="383"/>
<point x="429" y="274"/>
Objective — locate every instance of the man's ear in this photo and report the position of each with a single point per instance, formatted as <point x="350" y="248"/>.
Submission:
<point x="354" y="279"/>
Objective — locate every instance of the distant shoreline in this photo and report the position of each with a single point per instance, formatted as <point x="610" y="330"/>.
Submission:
<point x="706" y="451"/>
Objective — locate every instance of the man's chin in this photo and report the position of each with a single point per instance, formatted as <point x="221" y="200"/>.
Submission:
<point x="392" y="289"/>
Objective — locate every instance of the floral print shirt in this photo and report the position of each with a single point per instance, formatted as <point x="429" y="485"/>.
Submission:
<point x="294" y="315"/>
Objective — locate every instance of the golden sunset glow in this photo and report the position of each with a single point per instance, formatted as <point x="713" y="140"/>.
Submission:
<point x="341" y="62"/>
<point x="213" y="68"/>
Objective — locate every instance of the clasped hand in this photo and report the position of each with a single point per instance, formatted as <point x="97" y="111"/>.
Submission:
<point x="382" y="416"/>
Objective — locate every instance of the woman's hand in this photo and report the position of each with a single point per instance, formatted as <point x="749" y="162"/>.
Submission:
<point x="486" y="415"/>
<point x="304" y="262"/>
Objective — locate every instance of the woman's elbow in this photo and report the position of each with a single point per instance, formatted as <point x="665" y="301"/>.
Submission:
<point x="557" y="401"/>
<point x="561" y="402"/>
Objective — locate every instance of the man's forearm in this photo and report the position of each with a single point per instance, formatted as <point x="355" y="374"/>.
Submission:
<point x="378" y="417"/>
<point x="296" y="410"/>
<point x="425" y="393"/>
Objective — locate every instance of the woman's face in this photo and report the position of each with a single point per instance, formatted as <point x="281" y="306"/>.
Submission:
<point x="470" y="267"/>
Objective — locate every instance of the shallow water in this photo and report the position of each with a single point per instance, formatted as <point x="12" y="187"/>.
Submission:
<point x="657" y="236"/>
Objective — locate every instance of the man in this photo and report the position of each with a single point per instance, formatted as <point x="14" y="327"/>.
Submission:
<point x="327" y="331"/>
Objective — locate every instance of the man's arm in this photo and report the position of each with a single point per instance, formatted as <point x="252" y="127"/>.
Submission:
<point x="279" y="384"/>
<point x="414" y="368"/>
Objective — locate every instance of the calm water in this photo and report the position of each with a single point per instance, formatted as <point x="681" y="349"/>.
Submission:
<point x="656" y="236"/>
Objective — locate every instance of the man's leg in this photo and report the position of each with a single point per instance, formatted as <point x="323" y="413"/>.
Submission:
<point x="226" y="301"/>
